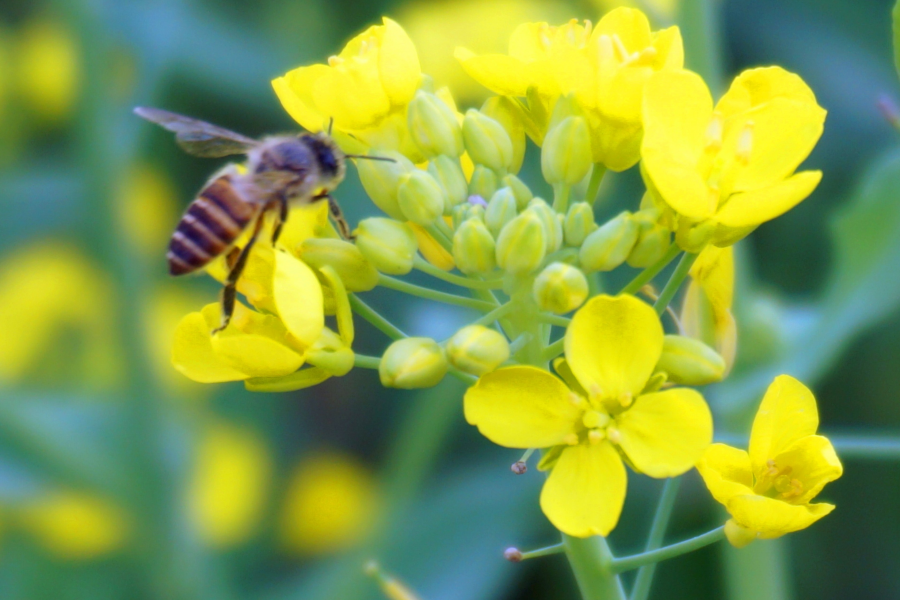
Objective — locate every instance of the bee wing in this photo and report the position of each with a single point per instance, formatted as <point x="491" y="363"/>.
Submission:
<point x="198" y="137"/>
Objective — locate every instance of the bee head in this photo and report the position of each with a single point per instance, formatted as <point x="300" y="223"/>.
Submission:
<point x="329" y="157"/>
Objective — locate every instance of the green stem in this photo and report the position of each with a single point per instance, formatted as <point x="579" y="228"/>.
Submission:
<point x="445" y="229"/>
<point x="366" y="362"/>
<point x="372" y="316"/>
<point x="674" y="283"/>
<point x="645" y="276"/>
<point x="439" y="236"/>
<point x="548" y="551"/>
<point x="620" y="565"/>
<point x="554" y="320"/>
<point x="495" y="315"/>
<point x="519" y="343"/>
<point x="561" y="198"/>
<point x="424" y="292"/>
<point x="592" y="562"/>
<point x="466" y="378"/>
<point x="554" y="349"/>
<point x="593" y="187"/>
<point x="426" y="267"/>
<point x="644" y="578"/>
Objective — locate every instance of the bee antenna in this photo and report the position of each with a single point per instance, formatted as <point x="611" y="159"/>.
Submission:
<point x="330" y="125"/>
<point x="367" y="157"/>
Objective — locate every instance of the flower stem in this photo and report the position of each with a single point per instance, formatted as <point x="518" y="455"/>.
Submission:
<point x="366" y="362"/>
<point x="372" y="316"/>
<point x="555" y="320"/>
<point x="592" y="563"/>
<point x="674" y="283"/>
<point x="561" y="198"/>
<point x="548" y="551"/>
<point x="423" y="292"/>
<point x="554" y="349"/>
<point x="519" y="343"/>
<point x="439" y="236"/>
<point x="644" y="579"/>
<point x="650" y="272"/>
<point x="620" y="565"/>
<point x="476" y="284"/>
<point x="593" y="187"/>
<point x="495" y="315"/>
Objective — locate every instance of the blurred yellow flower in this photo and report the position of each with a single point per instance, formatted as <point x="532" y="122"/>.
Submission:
<point x="706" y="313"/>
<point x="659" y="11"/>
<point x="230" y="484"/>
<point x="725" y="169"/>
<point x="331" y="503"/>
<point x="48" y="68"/>
<point x="768" y="491"/>
<point x="598" y="416"/>
<point x="73" y="525"/>
<point x="147" y="208"/>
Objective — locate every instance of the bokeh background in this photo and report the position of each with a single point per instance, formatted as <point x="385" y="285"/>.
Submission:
<point x="119" y="478"/>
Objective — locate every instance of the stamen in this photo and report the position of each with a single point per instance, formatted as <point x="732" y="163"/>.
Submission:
<point x="625" y="399"/>
<point x="745" y="143"/>
<point x="614" y="435"/>
<point x="624" y="55"/>
<point x="714" y="133"/>
<point x="593" y="419"/>
<point x="594" y="390"/>
<point x="571" y="439"/>
<point x="604" y="48"/>
<point x="588" y="27"/>
<point x="595" y="436"/>
<point x="334" y="61"/>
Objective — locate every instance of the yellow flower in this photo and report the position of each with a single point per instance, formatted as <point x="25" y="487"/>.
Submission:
<point x="659" y="11"/>
<point x="768" y="490"/>
<point x="147" y="209"/>
<point x="74" y="525"/>
<point x="706" y="313"/>
<point x="330" y="504"/>
<point x="605" y="67"/>
<point x="598" y="417"/>
<point x="365" y="89"/>
<point x="724" y="170"/>
<point x="48" y="69"/>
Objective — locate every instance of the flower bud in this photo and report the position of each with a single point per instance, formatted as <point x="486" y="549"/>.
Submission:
<point x="487" y="142"/>
<point x="414" y="362"/>
<point x="381" y="180"/>
<point x="483" y="182"/>
<point x="522" y="243"/>
<point x="388" y="244"/>
<point x="449" y="175"/>
<point x="579" y="224"/>
<point x="690" y="362"/>
<point x="473" y="248"/>
<point x="500" y="210"/>
<point x="505" y="111"/>
<point x="566" y="153"/>
<point x="552" y="226"/>
<point x="610" y="245"/>
<point x="694" y="237"/>
<point x="560" y="288"/>
<point x="331" y="354"/>
<point x="477" y="349"/>
<point x="420" y="197"/>
<point x="653" y="240"/>
<point x="520" y="191"/>
<point x="355" y="271"/>
<point x="433" y="126"/>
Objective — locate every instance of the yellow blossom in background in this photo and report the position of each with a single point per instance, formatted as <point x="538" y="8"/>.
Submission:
<point x="605" y="68"/>
<point x="48" y="68"/>
<point x="706" y="313"/>
<point x="230" y="484"/>
<point x="330" y="504"/>
<point x="148" y="210"/>
<point x="602" y="413"/>
<point x="725" y="169"/>
<point x="659" y="11"/>
<point x="768" y="491"/>
<point x="73" y="525"/>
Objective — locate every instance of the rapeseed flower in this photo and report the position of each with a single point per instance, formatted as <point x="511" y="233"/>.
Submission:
<point x="706" y="313"/>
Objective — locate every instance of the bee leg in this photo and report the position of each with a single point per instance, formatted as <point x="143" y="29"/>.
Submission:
<point x="282" y="217"/>
<point x="231" y="257"/>
<point x="230" y="289"/>
<point x="338" y="216"/>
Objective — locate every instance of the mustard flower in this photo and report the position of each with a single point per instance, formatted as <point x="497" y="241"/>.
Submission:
<point x="706" y="313"/>
<point x="725" y="169"/>
<point x="768" y="491"/>
<point x="601" y="413"/>
<point x="74" y="525"/>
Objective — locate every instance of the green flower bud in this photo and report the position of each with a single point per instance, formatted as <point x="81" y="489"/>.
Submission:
<point x="420" y="197"/>
<point x="694" y="237"/>
<point x="433" y="126"/>
<point x="474" y="248"/>
<point x="610" y="245"/>
<point x="381" y="180"/>
<point x="522" y="244"/>
<point x="487" y="142"/>
<point x="579" y="224"/>
<point x="690" y="362"/>
<point x="388" y="244"/>
<point x="331" y="354"/>
<point x="483" y="182"/>
<point x="355" y="271"/>
<point x="500" y="210"/>
<point x="411" y="363"/>
<point x="520" y="191"/>
<point x="459" y="215"/>
<point x="449" y="175"/>
<point x="560" y="288"/>
<point x="552" y="226"/>
<point x="477" y="350"/>
<point x="566" y="154"/>
<point x="653" y="240"/>
<point x="505" y="111"/>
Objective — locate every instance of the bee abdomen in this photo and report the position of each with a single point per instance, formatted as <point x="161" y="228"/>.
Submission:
<point x="211" y="224"/>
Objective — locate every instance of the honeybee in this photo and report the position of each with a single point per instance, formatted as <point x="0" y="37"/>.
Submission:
<point x="281" y="171"/>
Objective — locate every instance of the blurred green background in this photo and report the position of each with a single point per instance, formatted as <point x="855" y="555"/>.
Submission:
<point x="119" y="478"/>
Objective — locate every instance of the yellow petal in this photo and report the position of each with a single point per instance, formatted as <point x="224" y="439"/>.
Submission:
<point x="677" y="112"/>
<point x="773" y="518"/>
<point x="192" y="352"/>
<point x="613" y="344"/>
<point x="669" y="49"/>
<point x="813" y="462"/>
<point x="303" y="222"/>
<point x="257" y="345"/>
<point x="757" y="86"/>
<point x="787" y="413"/>
<point x="299" y="380"/>
<point x="526" y="44"/>
<point x="584" y="493"/>
<point x="431" y="249"/>
<point x="353" y="92"/>
<point x="398" y="63"/>
<point x="726" y="472"/>
<point x="257" y="278"/>
<point x="748" y="209"/>
<point x="294" y="91"/>
<point x="522" y="407"/>
<point x="298" y="298"/>
<point x="629" y="24"/>
<point x="665" y="433"/>
<point x="565" y="372"/>
<point x="503" y="75"/>
<point x="342" y="308"/>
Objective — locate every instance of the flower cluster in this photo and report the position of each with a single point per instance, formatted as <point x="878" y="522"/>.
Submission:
<point x="600" y="390"/>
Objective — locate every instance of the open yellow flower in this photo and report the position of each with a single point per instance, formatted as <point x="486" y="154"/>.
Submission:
<point x="602" y="414"/>
<point x="725" y="169"/>
<point x="768" y="490"/>
<point x="706" y="313"/>
<point x="605" y="67"/>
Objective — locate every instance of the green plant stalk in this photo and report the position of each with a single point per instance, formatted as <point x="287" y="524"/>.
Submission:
<point x="467" y="282"/>
<point x="561" y="198"/>
<point x="645" y="276"/>
<point x="366" y="362"/>
<point x="644" y="579"/>
<point x="372" y="316"/>
<point x="593" y="187"/>
<point x="541" y="552"/>
<point x="620" y="565"/>
<point x="439" y="236"/>
<point x="674" y="283"/>
<point x="429" y="294"/>
<point x="592" y="562"/>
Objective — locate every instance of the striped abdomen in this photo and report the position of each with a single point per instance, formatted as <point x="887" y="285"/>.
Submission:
<point x="209" y="227"/>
